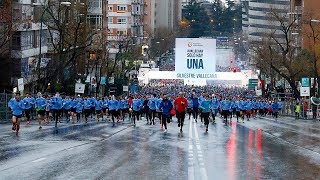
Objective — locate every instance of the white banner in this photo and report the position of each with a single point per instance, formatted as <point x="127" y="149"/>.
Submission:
<point x="79" y="88"/>
<point x="195" y="58"/>
<point x="125" y="88"/>
<point x="304" y="91"/>
<point x="20" y="84"/>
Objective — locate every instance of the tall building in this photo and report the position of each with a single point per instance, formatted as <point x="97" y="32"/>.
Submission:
<point x="167" y="13"/>
<point x="29" y="41"/>
<point x="256" y="20"/>
<point x="125" y="21"/>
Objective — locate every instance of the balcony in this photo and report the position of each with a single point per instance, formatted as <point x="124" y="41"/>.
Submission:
<point x="298" y="9"/>
<point x="137" y="1"/>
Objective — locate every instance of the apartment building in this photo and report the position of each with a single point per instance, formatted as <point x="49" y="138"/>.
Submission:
<point x="168" y="13"/>
<point x="29" y="42"/>
<point x="125" y="21"/>
<point x="256" y="20"/>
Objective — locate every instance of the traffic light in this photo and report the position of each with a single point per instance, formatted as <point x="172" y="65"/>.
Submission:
<point x="231" y="60"/>
<point x="144" y="49"/>
<point x="234" y="69"/>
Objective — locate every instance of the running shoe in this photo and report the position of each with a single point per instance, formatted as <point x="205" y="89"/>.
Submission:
<point x="178" y="124"/>
<point x="28" y="123"/>
<point x="40" y="127"/>
<point x="165" y="131"/>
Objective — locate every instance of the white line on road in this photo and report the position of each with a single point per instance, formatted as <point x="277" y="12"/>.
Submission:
<point x="190" y="163"/>
<point x="203" y="171"/>
<point x="38" y="160"/>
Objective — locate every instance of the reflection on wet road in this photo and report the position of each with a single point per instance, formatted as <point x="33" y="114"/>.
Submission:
<point x="259" y="149"/>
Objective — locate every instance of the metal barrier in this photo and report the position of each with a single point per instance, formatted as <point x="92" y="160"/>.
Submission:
<point x="289" y="107"/>
<point x="5" y="113"/>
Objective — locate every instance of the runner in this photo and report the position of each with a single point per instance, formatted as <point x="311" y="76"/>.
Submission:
<point x="152" y="106"/>
<point x="57" y="104"/>
<point x="195" y="107"/>
<point x="180" y="105"/>
<point x="79" y="109"/>
<point x="40" y="105"/>
<point x="166" y="107"/>
<point x="28" y="103"/>
<point x="87" y="108"/>
<point x="16" y="106"/>
<point x="136" y="106"/>
<point x="205" y="109"/>
<point x="113" y="107"/>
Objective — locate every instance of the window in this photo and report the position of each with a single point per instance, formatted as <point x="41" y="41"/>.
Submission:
<point x="95" y="3"/>
<point x="121" y="21"/>
<point x="110" y="20"/>
<point x="95" y="21"/>
<point x="122" y="8"/>
<point x="16" y="41"/>
<point x="121" y="33"/>
<point x="110" y="8"/>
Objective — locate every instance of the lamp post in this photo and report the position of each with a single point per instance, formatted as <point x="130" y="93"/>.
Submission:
<point x="315" y="37"/>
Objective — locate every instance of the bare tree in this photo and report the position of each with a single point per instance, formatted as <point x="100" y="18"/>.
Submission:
<point x="277" y="53"/>
<point x="311" y="32"/>
<point x="69" y="36"/>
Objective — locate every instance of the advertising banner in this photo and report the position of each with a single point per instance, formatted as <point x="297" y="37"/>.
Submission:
<point x="195" y="58"/>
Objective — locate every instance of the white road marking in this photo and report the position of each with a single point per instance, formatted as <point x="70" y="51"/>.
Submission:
<point x="38" y="160"/>
<point x="203" y="171"/>
<point x="190" y="163"/>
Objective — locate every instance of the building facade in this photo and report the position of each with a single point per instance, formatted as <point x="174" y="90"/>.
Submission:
<point x="256" y="17"/>
<point x="167" y="13"/>
<point x="29" y="42"/>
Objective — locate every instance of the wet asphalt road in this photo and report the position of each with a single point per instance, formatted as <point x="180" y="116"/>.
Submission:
<point x="258" y="149"/>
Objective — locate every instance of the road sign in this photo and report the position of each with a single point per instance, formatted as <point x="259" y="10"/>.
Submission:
<point x="20" y="84"/>
<point x="305" y="82"/>
<point x="125" y="88"/>
<point x="304" y="91"/>
<point x="253" y="83"/>
<point x="79" y="88"/>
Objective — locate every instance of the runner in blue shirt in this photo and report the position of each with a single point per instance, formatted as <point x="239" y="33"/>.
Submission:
<point x="40" y="106"/>
<point x="28" y="102"/>
<point x="16" y="106"/>
<point x="205" y="107"/>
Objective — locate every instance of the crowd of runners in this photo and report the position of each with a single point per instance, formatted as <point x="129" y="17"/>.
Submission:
<point x="153" y="103"/>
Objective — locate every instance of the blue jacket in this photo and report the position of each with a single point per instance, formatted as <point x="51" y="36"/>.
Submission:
<point x="67" y="103"/>
<point x="205" y="105"/>
<point x="105" y="103"/>
<point x="190" y="104"/>
<point x="275" y="107"/>
<point x="98" y="104"/>
<point x="28" y="102"/>
<point x="249" y="106"/>
<point x="166" y="106"/>
<point x="195" y="102"/>
<point x="225" y="105"/>
<point x="79" y="107"/>
<point x="158" y="109"/>
<point x="56" y="102"/>
<point x="136" y="104"/>
<point x="92" y="100"/>
<point x="86" y="104"/>
<point x="215" y="104"/>
<point x="16" y="106"/>
<point x="41" y="103"/>
<point x="152" y="103"/>
<point x="125" y="103"/>
<point x="113" y="104"/>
